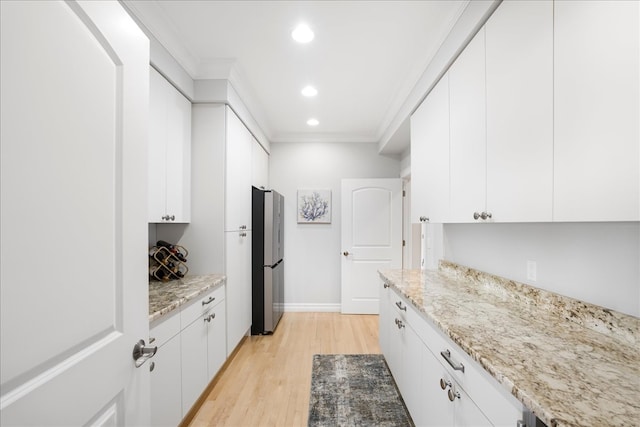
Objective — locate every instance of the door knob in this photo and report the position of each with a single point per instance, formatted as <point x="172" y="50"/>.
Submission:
<point x="345" y="253"/>
<point x="142" y="353"/>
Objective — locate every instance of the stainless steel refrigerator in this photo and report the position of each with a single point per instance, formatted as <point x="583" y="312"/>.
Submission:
<point x="267" y="260"/>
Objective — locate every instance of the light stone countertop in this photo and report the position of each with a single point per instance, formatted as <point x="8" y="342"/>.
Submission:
<point x="165" y="297"/>
<point x="570" y="362"/>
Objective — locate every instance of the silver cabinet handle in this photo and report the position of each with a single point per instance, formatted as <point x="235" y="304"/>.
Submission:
<point x="453" y="394"/>
<point x="209" y="301"/>
<point x="399" y="305"/>
<point x="152" y="366"/>
<point x="142" y="353"/>
<point x="447" y="356"/>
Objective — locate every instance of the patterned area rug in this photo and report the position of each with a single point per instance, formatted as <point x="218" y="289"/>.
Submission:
<point x="355" y="390"/>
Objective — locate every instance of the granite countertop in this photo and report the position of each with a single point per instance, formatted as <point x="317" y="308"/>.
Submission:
<point x="165" y="297"/>
<point x="570" y="362"/>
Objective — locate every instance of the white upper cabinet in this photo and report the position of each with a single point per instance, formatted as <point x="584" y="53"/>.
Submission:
<point x="169" y="152"/>
<point x="238" y="174"/>
<point x="596" y="110"/>
<point x="430" y="156"/>
<point x="468" y="160"/>
<point x="519" y="75"/>
<point x="260" y="166"/>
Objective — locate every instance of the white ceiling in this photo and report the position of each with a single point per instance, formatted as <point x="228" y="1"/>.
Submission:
<point x="365" y="58"/>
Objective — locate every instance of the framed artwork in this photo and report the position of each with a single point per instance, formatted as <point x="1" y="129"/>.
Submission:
<point x="314" y="206"/>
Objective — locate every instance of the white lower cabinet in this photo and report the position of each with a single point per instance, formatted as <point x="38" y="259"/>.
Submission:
<point x="166" y="388"/>
<point x="413" y="351"/>
<point x="194" y="362"/>
<point x="191" y="351"/>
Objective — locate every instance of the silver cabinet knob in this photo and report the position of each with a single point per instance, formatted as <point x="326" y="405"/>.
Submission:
<point x="243" y="234"/>
<point x="424" y="219"/>
<point x="399" y="323"/>
<point x="385" y="285"/>
<point x="152" y="366"/>
<point x="444" y="383"/>
<point x="453" y="394"/>
<point x="243" y="227"/>
<point x="485" y="215"/>
<point x="345" y="253"/>
<point x="210" y="317"/>
<point x="476" y="215"/>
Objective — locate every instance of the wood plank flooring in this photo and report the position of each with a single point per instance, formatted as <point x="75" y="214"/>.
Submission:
<point x="268" y="381"/>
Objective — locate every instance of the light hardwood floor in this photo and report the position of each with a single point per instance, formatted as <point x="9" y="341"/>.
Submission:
<point x="268" y="381"/>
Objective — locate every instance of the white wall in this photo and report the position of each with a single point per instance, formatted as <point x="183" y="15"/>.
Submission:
<point x="312" y="251"/>
<point x="593" y="262"/>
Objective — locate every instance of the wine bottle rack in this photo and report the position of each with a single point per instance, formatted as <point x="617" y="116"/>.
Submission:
<point x="166" y="264"/>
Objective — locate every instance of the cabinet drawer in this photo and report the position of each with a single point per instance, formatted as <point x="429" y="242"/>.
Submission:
<point x="500" y="407"/>
<point x="201" y="305"/>
<point x="164" y="329"/>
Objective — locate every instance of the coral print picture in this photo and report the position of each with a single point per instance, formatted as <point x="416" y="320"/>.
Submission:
<point x="314" y="206"/>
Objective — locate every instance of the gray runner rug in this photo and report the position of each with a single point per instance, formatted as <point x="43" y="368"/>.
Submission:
<point x="354" y="390"/>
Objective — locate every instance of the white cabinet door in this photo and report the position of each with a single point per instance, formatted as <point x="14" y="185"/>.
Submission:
<point x="216" y="339"/>
<point x="238" y="271"/>
<point x="430" y="156"/>
<point x="468" y="162"/>
<point x="412" y="367"/>
<point x="194" y="362"/>
<point x="438" y="410"/>
<point x="596" y="111"/>
<point x="169" y="173"/>
<point x="260" y="165"/>
<point x="178" y="187"/>
<point x="238" y="174"/>
<point x="519" y="75"/>
<point x="384" y="319"/>
<point x="166" y="385"/>
<point x="467" y="413"/>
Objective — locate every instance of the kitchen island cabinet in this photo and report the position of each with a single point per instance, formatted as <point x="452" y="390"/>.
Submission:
<point x="523" y="347"/>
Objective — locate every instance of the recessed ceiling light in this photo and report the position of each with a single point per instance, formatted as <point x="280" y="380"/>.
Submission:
<point x="313" y="122"/>
<point x="302" y="34"/>
<point x="309" y="91"/>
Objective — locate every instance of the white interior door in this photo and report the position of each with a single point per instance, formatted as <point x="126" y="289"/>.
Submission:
<point x="371" y="239"/>
<point x="73" y="237"/>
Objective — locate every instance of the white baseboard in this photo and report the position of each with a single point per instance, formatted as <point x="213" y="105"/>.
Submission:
<point x="308" y="307"/>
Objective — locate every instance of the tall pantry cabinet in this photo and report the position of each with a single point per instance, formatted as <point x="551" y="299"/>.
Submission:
<point x="219" y="236"/>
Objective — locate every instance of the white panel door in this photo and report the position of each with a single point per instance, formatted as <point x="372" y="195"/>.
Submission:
<point x="371" y="239"/>
<point x="596" y="111"/>
<point x="74" y="115"/>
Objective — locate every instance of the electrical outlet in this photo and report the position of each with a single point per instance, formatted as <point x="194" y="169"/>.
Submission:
<point x="532" y="270"/>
